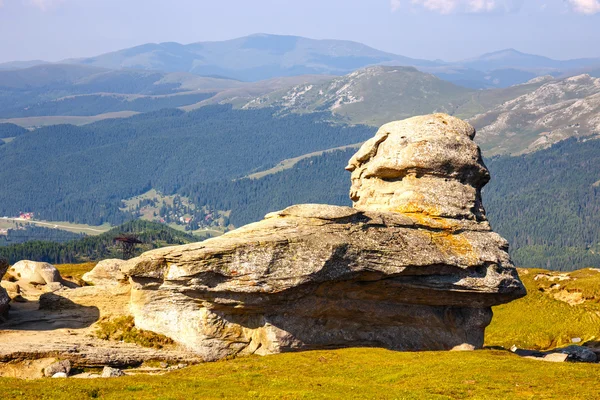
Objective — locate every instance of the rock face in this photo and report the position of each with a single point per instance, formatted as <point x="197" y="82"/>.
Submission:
<point x="4" y="297"/>
<point x="36" y="272"/>
<point x="413" y="266"/>
<point x="105" y="273"/>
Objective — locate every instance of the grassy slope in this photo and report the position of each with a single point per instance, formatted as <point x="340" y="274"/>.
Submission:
<point x="378" y="373"/>
<point x="348" y="373"/>
<point x="539" y="321"/>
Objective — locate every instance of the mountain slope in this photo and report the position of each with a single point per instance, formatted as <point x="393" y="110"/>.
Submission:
<point x="511" y="58"/>
<point x="556" y="110"/>
<point x="251" y="58"/>
<point x="372" y="95"/>
<point x="379" y="94"/>
<point x="69" y="173"/>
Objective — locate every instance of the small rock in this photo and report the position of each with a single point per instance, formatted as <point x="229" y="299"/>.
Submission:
<point x="556" y="357"/>
<point x="109" y="372"/>
<point x="576" y="340"/>
<point x="105" y="273"/>
<point x="60" y="375"/>
<point x="86" y="375"/>
<point x="580" y="353"/>
<point x="463" y="347"/>
<point x="53" y="286"/>
<point x="59" y="366"/>
<point x="163" y="364"/>
<point x="181" y="366"/>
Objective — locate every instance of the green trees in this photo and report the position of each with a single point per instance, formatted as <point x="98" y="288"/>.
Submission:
<point x="152" y="235"/>
<point x="81" y="174"/>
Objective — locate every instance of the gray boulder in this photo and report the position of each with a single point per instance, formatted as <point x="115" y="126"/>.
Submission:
<point x="105" y="273"/>
<point x="413" y="266"/>
<point x="579" y="353"/>
<point x="109" y="372"/>
<point x="63" y="366"/>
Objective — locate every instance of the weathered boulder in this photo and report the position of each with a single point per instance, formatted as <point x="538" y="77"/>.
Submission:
<point x="40" y="273"/>
<point x="110" y="372"/>
<point x="63" y="366"/>
<point x="105" y="273"/>
<point x="3" y="267"/>
<point x="413" y="266"/>
<point x="4" y="296"/>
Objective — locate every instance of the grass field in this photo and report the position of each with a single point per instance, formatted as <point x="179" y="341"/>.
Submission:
<point x="8" y="223"/>
<point x="341" y="374"/>
<point x="544" y="319"/>
<point x="34" y="122"/>
<point x="541" y="320"/>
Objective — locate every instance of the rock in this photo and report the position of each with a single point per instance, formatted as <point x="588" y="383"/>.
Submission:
<point x="109" y="372"/>
<point x="426" y="165"/>
<point x="579" y="353"/>
<point x="59" y="375"/>
<point x="576" y="340"/>
<point x="12" y="288"/>
<point x="555" y="357"/>
<point x="106" y="272"/>
<point x="413" y="266"/>
<point x="36" y="272"/>
<point x="63" y="366"/>
<point x="3" y="267"/>
<point x="4" y="302"/>
<point x="463" y="347"/>
<point x="53" y="287"/>
<point x="86" y="375"/>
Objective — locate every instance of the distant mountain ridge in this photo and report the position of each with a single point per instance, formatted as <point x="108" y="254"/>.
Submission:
<point x="265" y="56"/>
<point x="251" y="58"/>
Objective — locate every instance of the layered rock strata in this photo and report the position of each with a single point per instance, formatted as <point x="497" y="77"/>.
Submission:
<point x="413" y="266"/>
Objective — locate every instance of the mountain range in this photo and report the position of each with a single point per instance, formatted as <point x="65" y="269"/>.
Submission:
<point x="263" y="56"/>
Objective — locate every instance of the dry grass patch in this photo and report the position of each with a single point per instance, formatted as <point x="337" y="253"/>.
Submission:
<point x="123" y="329"/>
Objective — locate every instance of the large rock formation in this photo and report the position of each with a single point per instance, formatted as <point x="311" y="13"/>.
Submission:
<point x="413" y="266"/>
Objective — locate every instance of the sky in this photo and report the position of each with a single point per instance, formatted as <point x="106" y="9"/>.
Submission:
<point x="450" y="30"/>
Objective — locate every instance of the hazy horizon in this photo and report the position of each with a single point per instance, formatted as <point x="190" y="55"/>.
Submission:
<point x="450" y="30"/>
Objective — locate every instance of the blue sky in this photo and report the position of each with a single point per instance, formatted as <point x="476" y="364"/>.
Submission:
<point x="444" y="29"/>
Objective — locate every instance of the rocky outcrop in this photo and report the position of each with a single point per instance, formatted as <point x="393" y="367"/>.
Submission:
<point x="413" y="266"/>
<point x="105" y="273"/>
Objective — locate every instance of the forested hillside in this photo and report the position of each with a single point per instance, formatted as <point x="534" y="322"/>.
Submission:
<point x="547" y="204"/>
<point x="25" y="233"/>
<point x="99" y="247"/>
<point x="81" y="174"/>
<point x="99" y="104"/>
<point x="11" y="130"/>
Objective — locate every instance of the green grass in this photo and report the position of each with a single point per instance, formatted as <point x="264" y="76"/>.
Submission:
<point x="536" y="321"/>
<point x="539" y="321"/>
<point x="340" y="374"/>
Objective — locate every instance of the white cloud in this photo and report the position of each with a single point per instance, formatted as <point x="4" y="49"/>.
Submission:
<point x="45" y="4"/>
<point x="585" y="6"/>
<point x="462" y="6"/>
